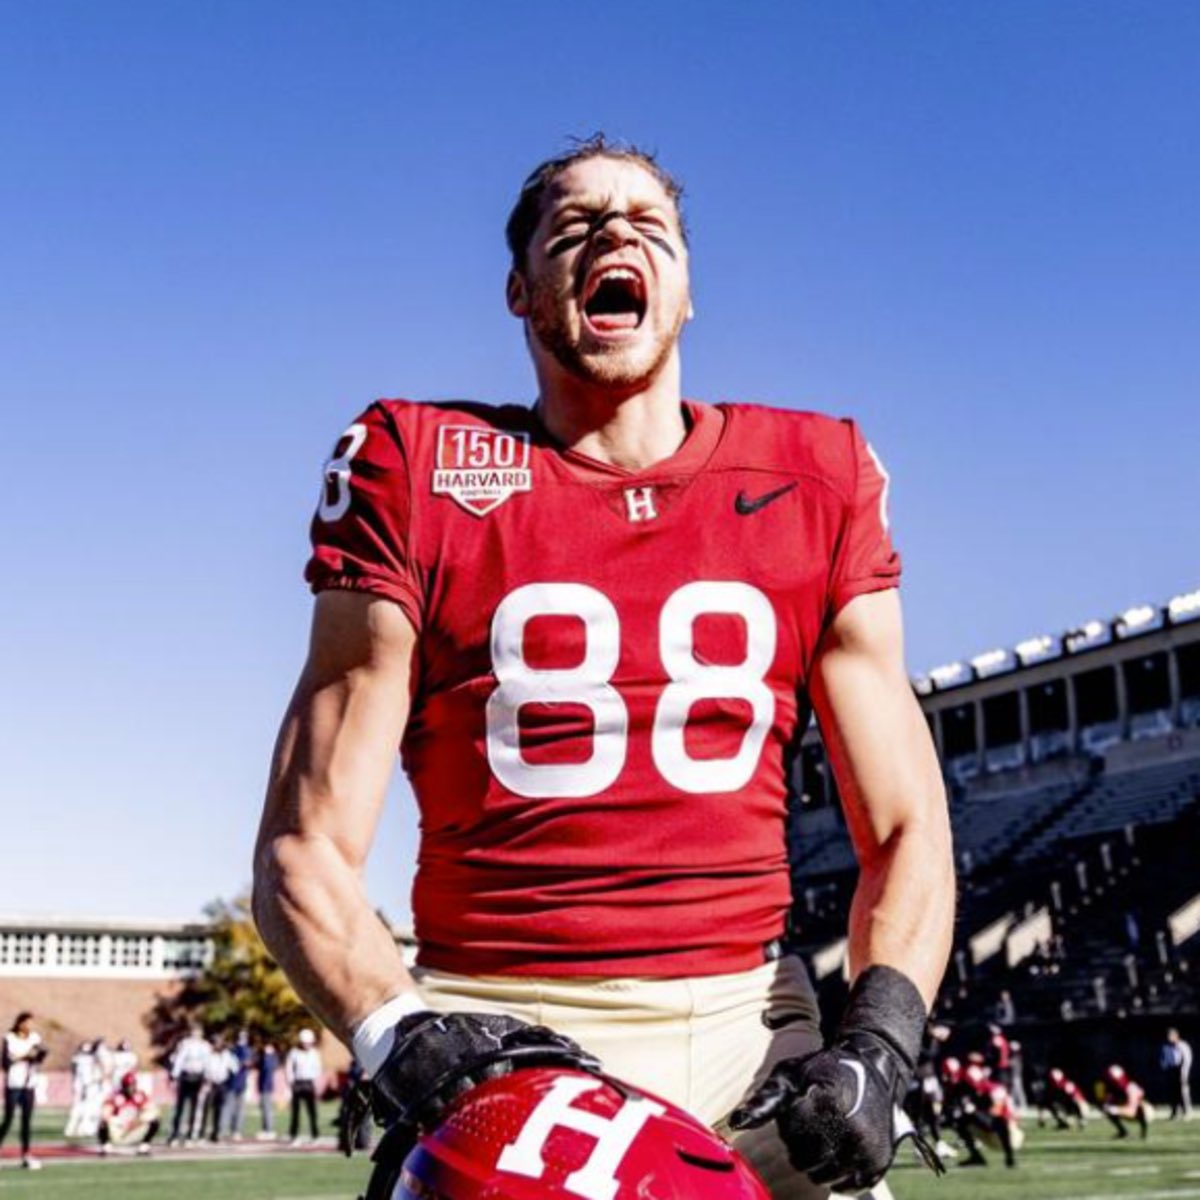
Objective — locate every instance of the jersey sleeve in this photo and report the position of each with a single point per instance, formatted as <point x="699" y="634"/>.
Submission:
<point x="361" y="530"/>
<point x="866" y="560"/>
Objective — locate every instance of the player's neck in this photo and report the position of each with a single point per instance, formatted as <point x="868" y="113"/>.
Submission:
<point x="629" y="430"/>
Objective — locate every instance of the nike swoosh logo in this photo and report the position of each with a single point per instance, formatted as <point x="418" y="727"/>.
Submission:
<point x="744" y="506"/>
<point x="860" y="1077"/>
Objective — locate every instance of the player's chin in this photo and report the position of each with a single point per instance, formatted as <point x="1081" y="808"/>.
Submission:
<point x="624" y="368"/>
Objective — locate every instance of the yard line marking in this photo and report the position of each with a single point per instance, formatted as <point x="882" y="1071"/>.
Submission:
<point x="1165" y="1194"/>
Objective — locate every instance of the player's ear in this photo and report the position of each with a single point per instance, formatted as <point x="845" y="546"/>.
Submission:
<point x="517" y="294"/>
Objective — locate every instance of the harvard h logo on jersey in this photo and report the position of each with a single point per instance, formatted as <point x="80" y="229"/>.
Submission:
<point x="479" y="468"/>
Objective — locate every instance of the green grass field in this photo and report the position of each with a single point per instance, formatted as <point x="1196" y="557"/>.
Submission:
<point x="1053" y="1166"/>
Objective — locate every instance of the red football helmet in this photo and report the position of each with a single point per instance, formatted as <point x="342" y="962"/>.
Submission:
<point x="952" y="1069"/>
<point x="552" y="1134"/>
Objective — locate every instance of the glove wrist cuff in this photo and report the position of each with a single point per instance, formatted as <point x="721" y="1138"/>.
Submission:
<point x="372" y="1038"/>
<point x="885" y="1003"/>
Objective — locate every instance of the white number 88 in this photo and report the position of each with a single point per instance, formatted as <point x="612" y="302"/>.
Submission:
<point x="589" y="684"/>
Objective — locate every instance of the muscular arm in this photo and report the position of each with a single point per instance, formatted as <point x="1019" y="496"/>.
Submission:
<point x="875" y="735"/>
<point x="332" y="763"/>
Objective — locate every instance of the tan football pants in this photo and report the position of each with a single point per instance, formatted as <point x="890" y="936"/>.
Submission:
<point x="701" y="1043"/>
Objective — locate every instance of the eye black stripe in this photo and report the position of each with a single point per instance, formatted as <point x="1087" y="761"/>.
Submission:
<point x="571" y="240"/>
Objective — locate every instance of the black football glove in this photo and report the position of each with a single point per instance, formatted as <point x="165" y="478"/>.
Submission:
<point x="837" y="1109"/>
<point x="437" y="1057"/>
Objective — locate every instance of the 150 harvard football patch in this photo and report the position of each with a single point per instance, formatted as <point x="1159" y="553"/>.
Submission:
<point x="479" y="468"/>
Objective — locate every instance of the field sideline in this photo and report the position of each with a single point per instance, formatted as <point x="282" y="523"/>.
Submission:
<point x="1054" y="1166"/>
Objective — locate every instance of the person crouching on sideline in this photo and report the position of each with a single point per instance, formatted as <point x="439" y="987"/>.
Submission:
<point x="129" y="1117"/>
<point x="303" y="1072"/>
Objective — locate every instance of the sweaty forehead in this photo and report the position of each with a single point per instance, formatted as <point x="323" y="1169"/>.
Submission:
<point x="607" y="183"/>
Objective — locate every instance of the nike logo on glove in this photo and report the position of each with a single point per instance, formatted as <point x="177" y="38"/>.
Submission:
<point x="860" y="1077"/>
<point x="743" y="505"/>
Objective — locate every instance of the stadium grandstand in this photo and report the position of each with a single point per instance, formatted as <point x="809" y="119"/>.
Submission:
<point x="1072" y="764"/>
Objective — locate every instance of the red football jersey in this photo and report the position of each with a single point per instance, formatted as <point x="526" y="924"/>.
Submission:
<point x="611" y="670"/>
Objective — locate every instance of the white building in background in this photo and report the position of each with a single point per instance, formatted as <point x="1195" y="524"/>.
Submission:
<point x="84" y="978"/>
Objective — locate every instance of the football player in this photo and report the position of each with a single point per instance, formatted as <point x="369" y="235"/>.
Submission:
<point x="129" y="1117"/>
<point x="596" y="626"/>
<point x="978" y="1109"/>
<point x="1063" y="1099"/>
<point x="1124" y="1100"/>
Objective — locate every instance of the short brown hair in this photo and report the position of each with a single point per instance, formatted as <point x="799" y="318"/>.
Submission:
<point x="527" y="211"/>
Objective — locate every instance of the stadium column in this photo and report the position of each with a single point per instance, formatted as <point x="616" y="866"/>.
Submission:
<point x="1023" y="714"/>
<point x="1176" y="686"/>
<point x="980" y="734"/>
<point x="1072" y="714"/>
<point x="1122" y="698"/>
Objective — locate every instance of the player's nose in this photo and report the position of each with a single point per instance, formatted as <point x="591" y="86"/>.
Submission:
<point x="615" y="229"/>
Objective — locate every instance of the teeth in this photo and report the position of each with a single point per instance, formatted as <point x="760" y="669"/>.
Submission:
<point x="606" y="273"/>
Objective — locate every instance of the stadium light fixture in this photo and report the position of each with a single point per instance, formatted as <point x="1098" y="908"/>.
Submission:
<point x="951" y="675"/>
<point x="1089" y="634"/>
<point x="1139" y="619"/>
<point x="1038" y="649"/>
<point x="923" y="685"/>
<point x="1184" y="608"/>
<point x="992" y="662"/>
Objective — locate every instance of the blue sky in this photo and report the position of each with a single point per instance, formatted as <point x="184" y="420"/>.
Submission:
<point x="224" y="227"/>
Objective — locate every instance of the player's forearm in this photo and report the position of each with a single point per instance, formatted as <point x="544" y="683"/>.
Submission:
<point x="315" y="918"/>
<point x="902" y="914"/>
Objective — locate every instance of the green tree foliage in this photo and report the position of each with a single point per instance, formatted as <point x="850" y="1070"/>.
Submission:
<point x="242" y="988"/>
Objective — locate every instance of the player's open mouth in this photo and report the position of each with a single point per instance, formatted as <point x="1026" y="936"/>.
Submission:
<point x="614" y="299"/>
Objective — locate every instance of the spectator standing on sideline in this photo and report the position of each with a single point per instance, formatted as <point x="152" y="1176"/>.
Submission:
<point x="1175" y="1059"/>
<point x="303" y="1071"/>
<point x="23" y="1051"/>
<point x="1016" y="1066"/>
<point x="1185" y="1076"/>
<point x="1006" y="1011"/>
<point x="235" y="1101"/>
<point x="267" y="1065"/>
<point x="104" y="1066"/>
<point x="222" y="1064"/>
<point x="123" y="1061"/>
<point x="188" y="1065"/>
<point x="83" y="1081"/>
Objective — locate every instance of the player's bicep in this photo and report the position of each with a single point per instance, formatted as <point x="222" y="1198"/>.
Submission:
<point x="874" y="732"/>
<point x="337" y="746"/>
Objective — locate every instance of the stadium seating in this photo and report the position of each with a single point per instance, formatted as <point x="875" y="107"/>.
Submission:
<point x="1107" y="854"/>
<point x="1147" y="795"/>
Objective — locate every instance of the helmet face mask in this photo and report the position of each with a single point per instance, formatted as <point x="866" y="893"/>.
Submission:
<point x="554" y="1134"/>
